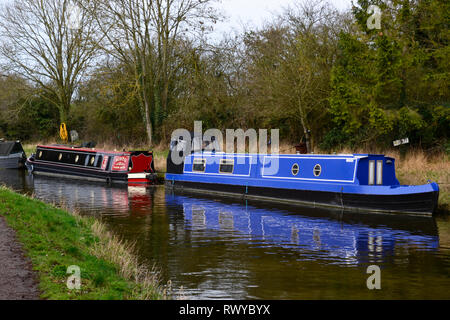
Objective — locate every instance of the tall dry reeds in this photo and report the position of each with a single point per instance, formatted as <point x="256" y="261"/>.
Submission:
<point x="416" y="167"/>
<point x="121" y="253"/>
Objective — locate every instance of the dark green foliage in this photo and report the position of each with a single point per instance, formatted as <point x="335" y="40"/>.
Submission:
<point x="389" y="84"/>
<point x="29" y="118"/>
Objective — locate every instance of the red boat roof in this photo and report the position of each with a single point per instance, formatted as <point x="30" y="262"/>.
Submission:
<point x="58" y="147"/>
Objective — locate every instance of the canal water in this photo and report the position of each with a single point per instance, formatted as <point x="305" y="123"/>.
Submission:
<point x="215" y="249"/>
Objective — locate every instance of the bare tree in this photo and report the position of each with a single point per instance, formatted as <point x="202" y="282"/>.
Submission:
<point x="143" y="34"/>
<point x="314" y="29"/>
<point x="49" y="42"/>
<point x="290" y="65"/>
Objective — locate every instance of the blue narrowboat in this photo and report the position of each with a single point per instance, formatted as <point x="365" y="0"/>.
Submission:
<point x="356" y="182"/>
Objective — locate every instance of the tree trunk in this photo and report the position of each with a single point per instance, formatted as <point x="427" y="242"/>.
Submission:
<point x="305" y="127"/>
<point x="62" y="115"/>
<point x="308" y="141"/>
<point x="148" y="122"/>
<point x="142" y="76"/>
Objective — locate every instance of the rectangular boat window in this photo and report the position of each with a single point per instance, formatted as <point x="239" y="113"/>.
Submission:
<point x="99" y="161"/>
<point x="105" y="163"/>
<point x="380" y="172"/>
<point x="50" y="155"/>
<point x="226" y="166"/>
<point x="371" y="172"/>
<point x="80" y="159"/>
<point x="91" y="160"/>
<point x="65" y="157"/>
<point x="199" y="165"/>
<point x="70" y="158"/>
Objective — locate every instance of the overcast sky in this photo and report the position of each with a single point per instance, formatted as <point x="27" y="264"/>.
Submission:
<point x="255" y="12"/>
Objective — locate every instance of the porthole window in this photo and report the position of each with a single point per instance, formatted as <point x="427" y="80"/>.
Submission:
<point x="40" y="154"/>
<point x="60" y="157"/>
<point x="295" y="169"/>
<point x="77" y="158"/>
<point x="91" y="162"/>
<point x="317" y="170"/>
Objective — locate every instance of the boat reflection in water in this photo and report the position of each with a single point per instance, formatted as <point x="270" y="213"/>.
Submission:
<point x="316" y="234"/>
<point x="93" y="198"/>
<point x="16" y="179"/>
<point x="344" y="239"/>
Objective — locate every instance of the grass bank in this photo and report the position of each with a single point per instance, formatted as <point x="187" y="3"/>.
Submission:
<point x="55" y="239"/>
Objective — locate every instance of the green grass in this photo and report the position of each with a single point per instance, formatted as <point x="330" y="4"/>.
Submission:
<point x="161" y="153"/>
<point x="54" y="239"/>
<point x="29" y="149"/>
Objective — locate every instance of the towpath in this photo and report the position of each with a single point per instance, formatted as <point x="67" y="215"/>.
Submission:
<point x="17" y="280"/>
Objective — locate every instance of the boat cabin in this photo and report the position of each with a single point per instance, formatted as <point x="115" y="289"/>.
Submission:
<point x="12" y="155"/>
<point x="361" y="169"/>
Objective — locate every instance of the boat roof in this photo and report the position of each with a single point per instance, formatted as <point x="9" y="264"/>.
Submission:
<point x="75" y="148"/>
<point x="354" y="155"/>
<point x="9" y="147"/>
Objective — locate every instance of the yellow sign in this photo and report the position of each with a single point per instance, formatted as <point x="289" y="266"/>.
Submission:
<point x="63" y="132"/>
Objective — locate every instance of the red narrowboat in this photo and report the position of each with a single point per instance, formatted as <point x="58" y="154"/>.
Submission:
<point x="132" y="167"/>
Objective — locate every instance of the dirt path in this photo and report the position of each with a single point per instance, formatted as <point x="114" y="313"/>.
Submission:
<point x="17" y="280"/>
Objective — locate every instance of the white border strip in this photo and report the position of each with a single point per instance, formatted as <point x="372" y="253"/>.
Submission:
<point x="310" y="179"/>
<point x="228" y="157"/>
<point x="138" y="175"/>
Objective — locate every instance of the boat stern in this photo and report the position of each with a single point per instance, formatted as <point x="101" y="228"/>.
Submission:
<point x="141" y="169"/>
<point x="141" y="179"/>
<point x="435" y="187"/>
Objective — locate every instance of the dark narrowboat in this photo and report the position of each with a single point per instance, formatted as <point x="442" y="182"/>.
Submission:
<point x="12" y="155"/>
<point x="357" y="182"/>
<point x="132" y="167"/>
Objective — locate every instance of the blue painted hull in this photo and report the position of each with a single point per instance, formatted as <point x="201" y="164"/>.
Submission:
<point x="342" y="183"/>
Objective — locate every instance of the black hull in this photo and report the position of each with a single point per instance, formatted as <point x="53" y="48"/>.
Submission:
<point x="12" y="162"/>
<point x="414" y="204"/>
<point x="77" y="173"/>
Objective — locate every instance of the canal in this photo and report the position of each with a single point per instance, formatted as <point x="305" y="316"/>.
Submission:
<point x="216" y="249"/>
